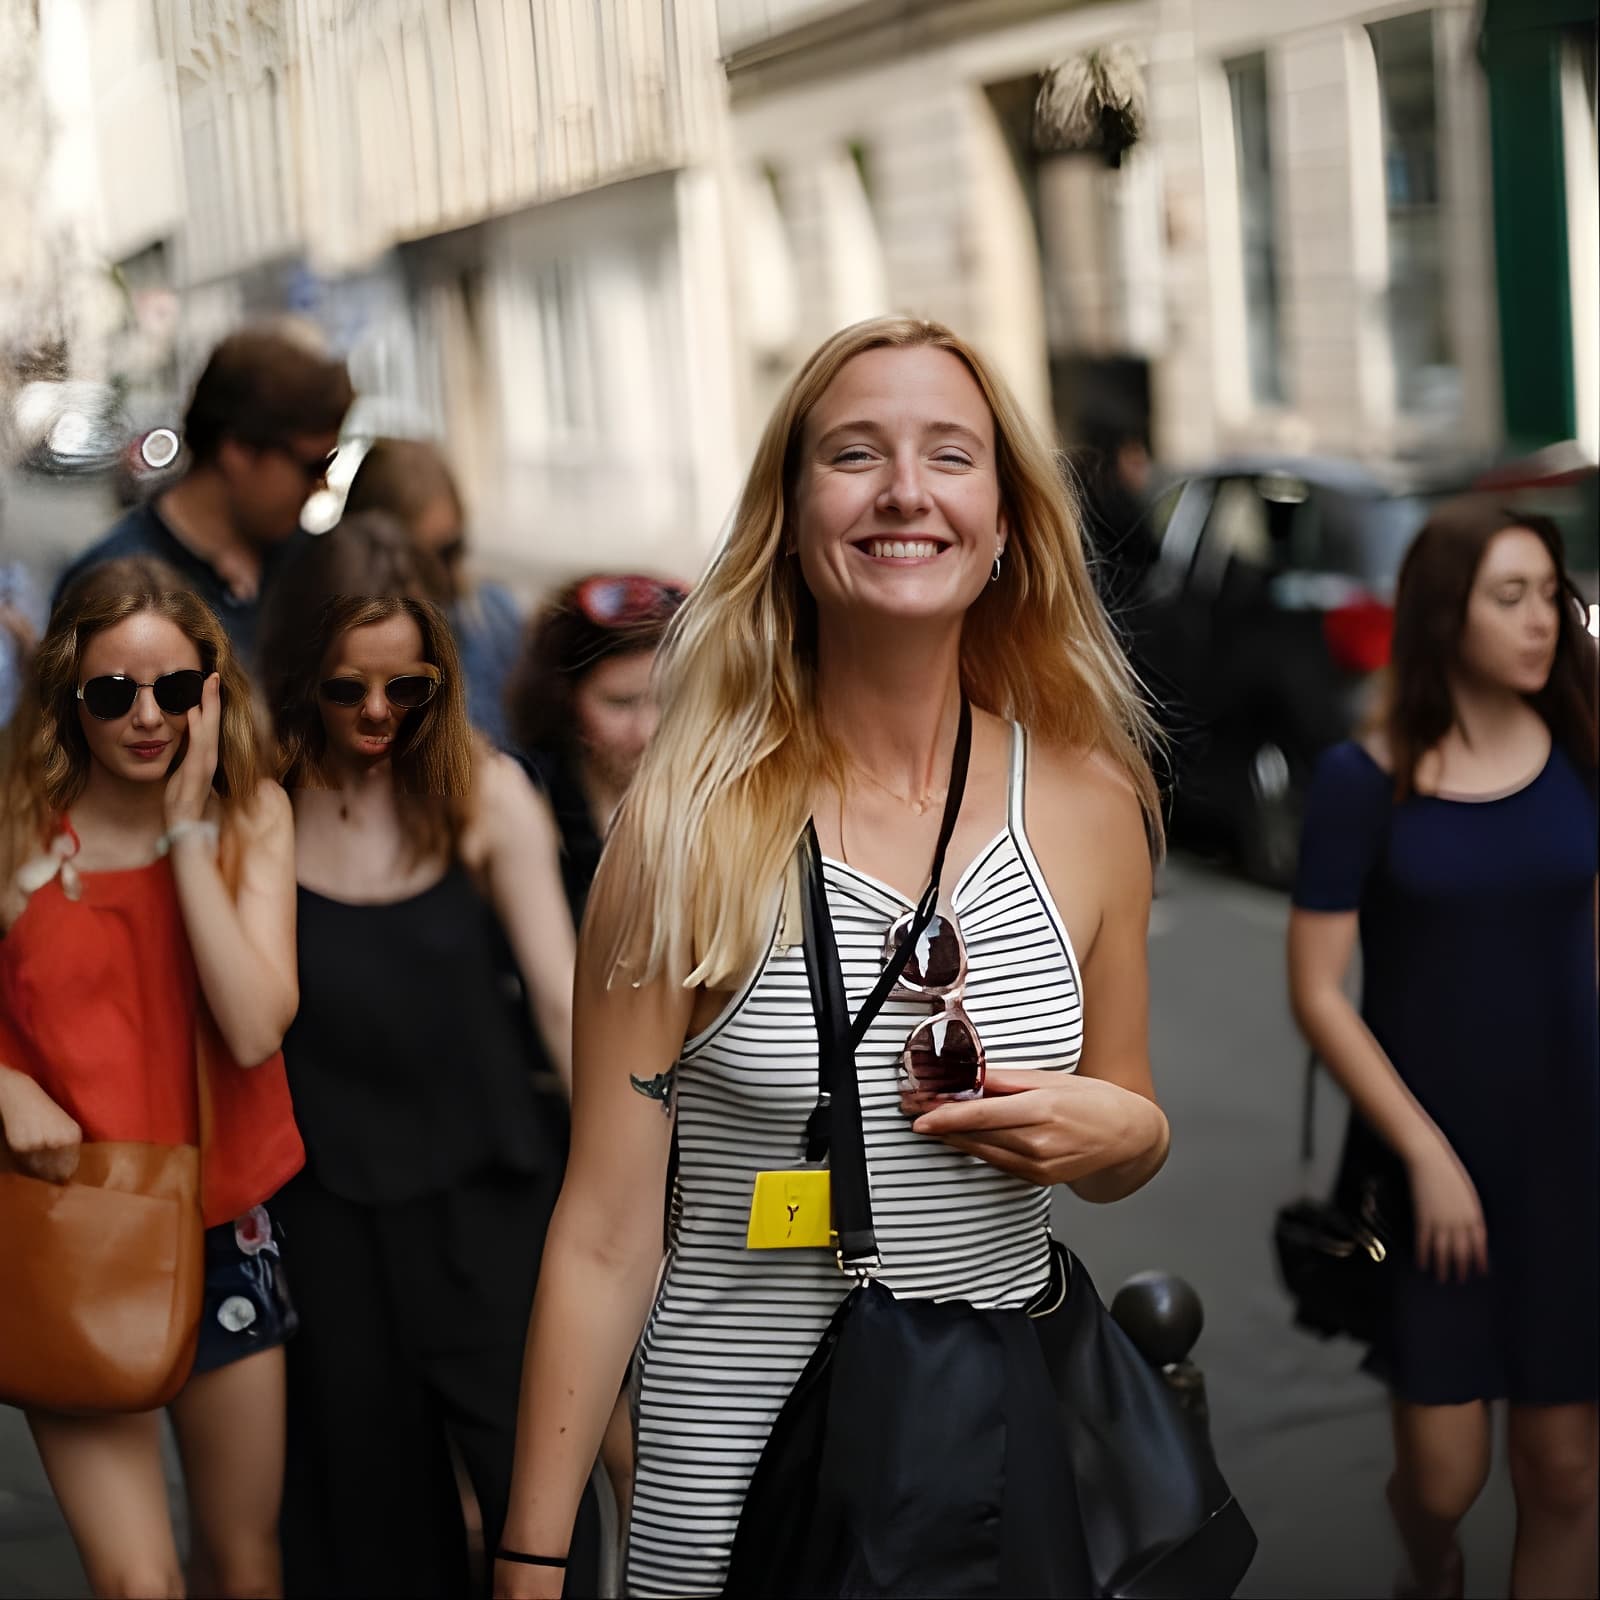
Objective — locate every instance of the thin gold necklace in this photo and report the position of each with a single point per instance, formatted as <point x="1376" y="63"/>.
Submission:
<point x="932" y="797"/>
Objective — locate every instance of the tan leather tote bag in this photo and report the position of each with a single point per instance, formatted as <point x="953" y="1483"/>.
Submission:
<point x="101" y="1276"/>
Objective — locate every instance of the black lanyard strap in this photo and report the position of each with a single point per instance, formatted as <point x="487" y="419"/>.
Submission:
<point x="835" y="1123"/>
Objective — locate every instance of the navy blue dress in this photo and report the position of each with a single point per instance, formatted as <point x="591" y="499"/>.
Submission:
<point x="1478" y="960"/>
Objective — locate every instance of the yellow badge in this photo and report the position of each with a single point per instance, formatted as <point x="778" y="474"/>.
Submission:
<point x="790" y="1211"/>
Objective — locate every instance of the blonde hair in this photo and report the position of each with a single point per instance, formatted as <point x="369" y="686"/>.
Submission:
<point x="701" y="843"/>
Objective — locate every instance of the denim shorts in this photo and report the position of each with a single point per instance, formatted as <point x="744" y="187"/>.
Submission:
<point x="246" y="1307"/>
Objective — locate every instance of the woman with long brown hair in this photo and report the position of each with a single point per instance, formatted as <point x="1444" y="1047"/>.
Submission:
<point x="903" y="591"/>
<point x="147" y="872"/>
<point x="435" y="971"/>
<point x="1457" y="843"/>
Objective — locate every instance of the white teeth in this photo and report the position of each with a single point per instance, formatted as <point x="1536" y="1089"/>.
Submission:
<point x="902" y="549"/>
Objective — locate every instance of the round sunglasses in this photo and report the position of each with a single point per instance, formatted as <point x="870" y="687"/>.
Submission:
<point x="408" y="691"/>
<point x="108" y="698"/>
<point x="943" y="1057"/>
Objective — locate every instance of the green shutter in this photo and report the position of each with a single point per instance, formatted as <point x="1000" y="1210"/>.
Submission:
<point x="1521" y="49"/>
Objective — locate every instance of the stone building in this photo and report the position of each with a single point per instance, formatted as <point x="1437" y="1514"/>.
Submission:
<point x="506" y="213"/>
<point x="1299" y="253"/>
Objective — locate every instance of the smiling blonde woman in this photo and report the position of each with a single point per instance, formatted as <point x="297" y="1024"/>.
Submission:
<point x="904" y="546"/>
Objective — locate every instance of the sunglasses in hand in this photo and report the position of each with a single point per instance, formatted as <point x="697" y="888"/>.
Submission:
<point x="943" y="1057"/>
<point x="110" y="697"/>
<point x="408" y="691"/>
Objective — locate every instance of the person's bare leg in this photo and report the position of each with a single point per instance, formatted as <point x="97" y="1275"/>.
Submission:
<point x="1555" y="1470"/>
<point x="616" y="1455"/>
<point x="1441" y="1465"/>
<point x="230" y="1432"/>
<point x="108" y="1480"/>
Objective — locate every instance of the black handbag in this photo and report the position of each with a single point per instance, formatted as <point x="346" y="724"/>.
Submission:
<point x="1336" y="1256"/>
<point x="938" y="1449"/>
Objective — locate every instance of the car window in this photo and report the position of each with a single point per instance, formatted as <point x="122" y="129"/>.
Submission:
<point x="1160" y="512"/>
<point x="1238" y="525"/>
<point x="1263" y="525"/>
<point x="1374" y="540"/>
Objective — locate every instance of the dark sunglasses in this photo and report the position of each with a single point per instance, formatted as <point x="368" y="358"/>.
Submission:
<point x="410" y="690"/>
<point x="106" y="699"/>
<point x="614" y="602"/>
<point x="943" y="1057"/>
<point x="312" y="471"/>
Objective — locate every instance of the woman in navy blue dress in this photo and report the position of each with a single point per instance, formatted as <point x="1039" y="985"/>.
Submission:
<point x="1458" y="841"/>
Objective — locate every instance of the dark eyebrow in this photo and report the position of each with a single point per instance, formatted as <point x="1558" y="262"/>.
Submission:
<point x="864" y="425"/>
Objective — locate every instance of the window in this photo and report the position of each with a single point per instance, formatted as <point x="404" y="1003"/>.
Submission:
<point x="568" y="356"/>
<point x="1418" y="328"/>
<point x="1252" y="145"/>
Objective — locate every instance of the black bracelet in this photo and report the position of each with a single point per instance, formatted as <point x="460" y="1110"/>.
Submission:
<point x="502" y="1554"/>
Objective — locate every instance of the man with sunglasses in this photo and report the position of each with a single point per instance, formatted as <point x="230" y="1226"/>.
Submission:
<point x="262" y="430"/>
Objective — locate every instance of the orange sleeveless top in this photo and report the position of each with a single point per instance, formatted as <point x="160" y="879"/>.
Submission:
<point x="98" y="1004"/>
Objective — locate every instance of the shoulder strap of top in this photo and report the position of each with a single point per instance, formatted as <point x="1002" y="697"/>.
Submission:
<point x="1014" y="787"/>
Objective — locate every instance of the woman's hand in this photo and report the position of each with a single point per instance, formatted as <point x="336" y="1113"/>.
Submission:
<point x="1049" y="1127"/>
<point x="44" y="1141"/>
<point x="189" y="788"/>
<point x="1451" y="1237"/>
<point x="516" y="1580"/>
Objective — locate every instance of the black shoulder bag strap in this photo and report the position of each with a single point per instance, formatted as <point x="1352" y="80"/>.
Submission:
<point x="836" y="1120"/>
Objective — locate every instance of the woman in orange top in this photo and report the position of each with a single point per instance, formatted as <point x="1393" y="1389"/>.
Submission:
<point x="133" y="806"/>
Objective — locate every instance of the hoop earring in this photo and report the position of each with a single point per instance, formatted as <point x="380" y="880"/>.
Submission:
<point x="994" y="576"/>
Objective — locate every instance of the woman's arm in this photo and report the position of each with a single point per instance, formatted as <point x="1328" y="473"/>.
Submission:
<point x="602" y="1254"/>
<point x="243" y="939"/>
<point x="243" y="942"/>
<point x="1449" y="1217"/>
<point x="522" y="866"/>
<point x="1098" y="1129"/>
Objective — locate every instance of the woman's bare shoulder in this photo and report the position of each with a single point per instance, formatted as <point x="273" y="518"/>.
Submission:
<point x="265" y="813"/>
<point x="1089" y="783"/>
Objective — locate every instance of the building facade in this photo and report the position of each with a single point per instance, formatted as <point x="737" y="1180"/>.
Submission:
<point x="586" y="241"/>
<point x="1298" y="254"/>
<point x="505" y="213"/>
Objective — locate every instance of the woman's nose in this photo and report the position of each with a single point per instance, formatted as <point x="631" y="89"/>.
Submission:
<point x="376" y="706"/>
<point x="906" y="492"/>
<point x="146" y="713"/>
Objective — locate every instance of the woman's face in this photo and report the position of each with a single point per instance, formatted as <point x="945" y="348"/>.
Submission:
<point x="438" y="531"/>
<point x="362" y="735"/>
<point x="1513" y="618"/>
<point x="897" y="502"/>
<point x="141" y="745"/>
<point x="616" y="711"/>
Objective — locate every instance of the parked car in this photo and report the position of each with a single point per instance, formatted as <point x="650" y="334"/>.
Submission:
<point x="1259" y="629"/>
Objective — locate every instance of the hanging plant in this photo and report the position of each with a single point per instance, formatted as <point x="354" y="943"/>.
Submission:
<point x="1094" y="102"/>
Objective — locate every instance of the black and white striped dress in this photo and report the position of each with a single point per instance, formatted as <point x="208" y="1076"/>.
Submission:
<point x="732" y="1328"/>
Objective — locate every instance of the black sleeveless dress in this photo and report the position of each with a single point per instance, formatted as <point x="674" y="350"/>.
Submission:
<point x="434" y="1155"/>
<point x="413" y="1060"/>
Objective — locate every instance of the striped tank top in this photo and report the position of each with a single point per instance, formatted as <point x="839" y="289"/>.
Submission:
<point x="732" y="1328"/>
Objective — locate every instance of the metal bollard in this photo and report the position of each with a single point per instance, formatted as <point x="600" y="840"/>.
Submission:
<point x="1162" y="1315"/>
